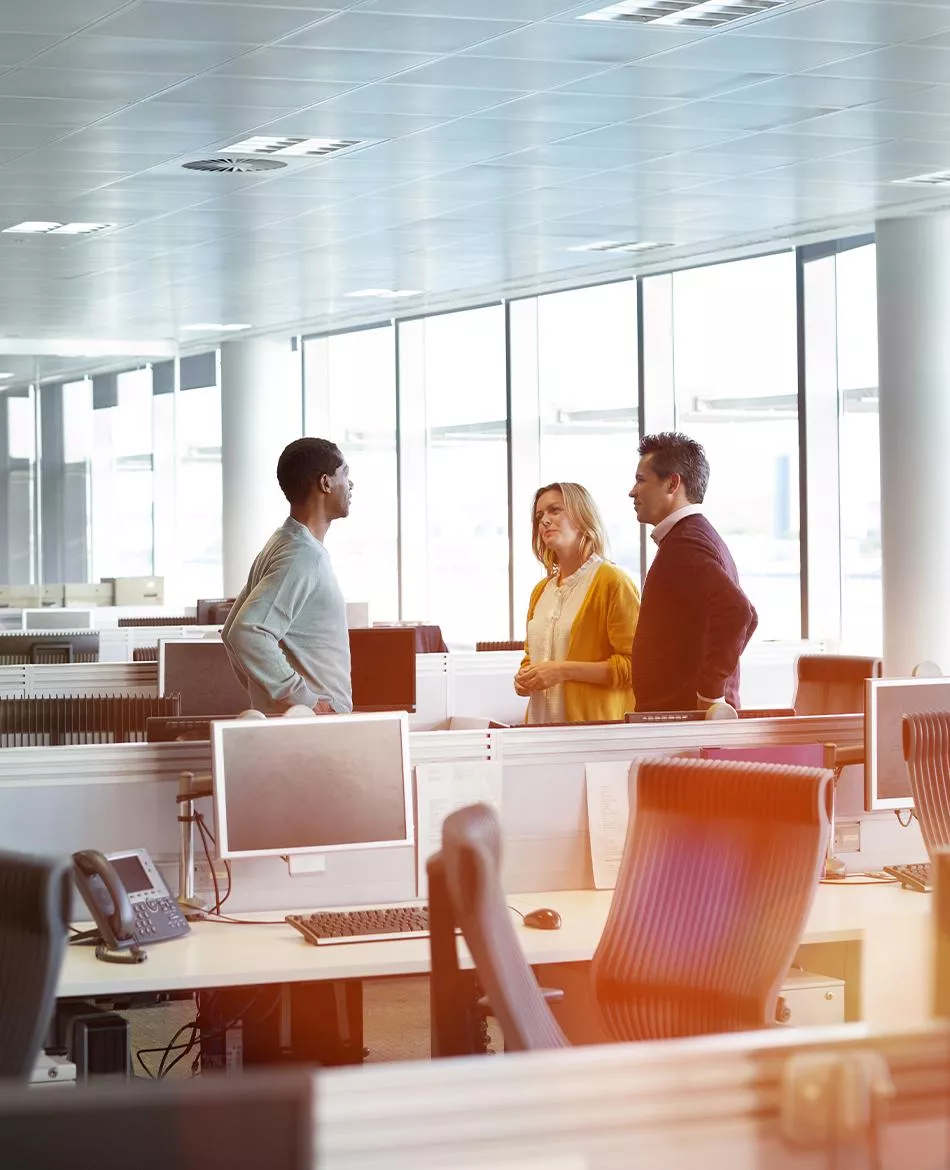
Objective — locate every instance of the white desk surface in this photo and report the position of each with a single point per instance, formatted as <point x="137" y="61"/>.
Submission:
<point x="891" y="923"/>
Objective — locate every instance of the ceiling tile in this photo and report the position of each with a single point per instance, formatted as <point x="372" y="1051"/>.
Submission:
<point x="810" y="89"/>
<point x="881" y="124"/>
<point x="409" y="34"/>
<point x="880" y="22"/>
<point x="735" y="115"/>
<point x="438" y="101"/>
<point x="659" y="139"/>
<point x="29" y="137"/>
<point x="211" y="121"/>
<point x="494" y="9"/>
<point x="933" y="100"/>
<point x="607" y="44"/>
<point x="908" y="63"/>
<point x="129" y="54"/>
<point x="17" y="47"/>
<point x="267" y="92"/>
<point x="640" y="81"/>
<point x="53" y="17"/>
<point x="120" y="88"/>
<point x="737" y="53"/>
<point x="54" y="111"/>
<point x="323" y="64"/>
<point x="472" y="71"/>
<point x="560" y="107"/>
<point x="196" y="21"/>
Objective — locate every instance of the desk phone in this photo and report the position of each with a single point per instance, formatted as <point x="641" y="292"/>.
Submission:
<point x="129" y="901"/>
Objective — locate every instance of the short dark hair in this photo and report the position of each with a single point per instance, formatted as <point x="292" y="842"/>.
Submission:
<point x="301" y="465"/>
<point x="676" y="454"/>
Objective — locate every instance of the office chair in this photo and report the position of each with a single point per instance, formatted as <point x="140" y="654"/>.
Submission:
<point x="35" y="898"/>
<point x="480" y="646"/>
<point x="719" y="870"/>
<point x="465" y="891"/>
<point x="832" y="684"/>
<point x="926" y="745"/>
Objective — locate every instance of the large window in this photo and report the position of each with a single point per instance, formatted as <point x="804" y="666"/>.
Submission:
<point x="200" y="506"/>
<point x="19" y="522"/>
<point x="735" y="376"/>
<point x="350" y="397"/>
<point x="860" y="452"/>
<point x="122" y="528"/>
<point x="574" y="414"/>
<point x="454" y="461"/>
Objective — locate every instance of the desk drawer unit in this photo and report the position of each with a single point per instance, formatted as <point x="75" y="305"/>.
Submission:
<point x="812" y="999"/>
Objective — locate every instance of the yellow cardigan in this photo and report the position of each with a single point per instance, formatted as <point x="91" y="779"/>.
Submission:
<point x="603" y="629"/>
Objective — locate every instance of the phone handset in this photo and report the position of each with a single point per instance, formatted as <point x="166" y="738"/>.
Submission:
<point x="107" y="898"/>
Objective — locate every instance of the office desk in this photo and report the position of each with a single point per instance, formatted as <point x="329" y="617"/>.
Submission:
<point x="877" y="938"/>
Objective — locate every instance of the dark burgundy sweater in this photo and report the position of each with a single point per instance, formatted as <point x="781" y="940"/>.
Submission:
<point x="694" y="622"/>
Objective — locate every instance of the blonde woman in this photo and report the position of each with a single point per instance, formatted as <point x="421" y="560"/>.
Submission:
<point x="581" y="617"/>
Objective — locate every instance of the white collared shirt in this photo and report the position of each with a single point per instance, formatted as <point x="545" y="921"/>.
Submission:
<point x="664" y="526"/>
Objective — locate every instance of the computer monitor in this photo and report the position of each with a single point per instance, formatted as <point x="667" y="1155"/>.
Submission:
<point x="57" y="619"/>
<point x="383" y="669"/>
<point x="887" y="701"/>
<point x="328" y="783"/>
<point x="200" y="671"/>
<point x="213" y="611"/>
<point x="259" y="1119"/>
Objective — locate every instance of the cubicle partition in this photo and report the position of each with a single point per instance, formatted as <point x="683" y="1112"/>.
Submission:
<point x="115" y="796"/>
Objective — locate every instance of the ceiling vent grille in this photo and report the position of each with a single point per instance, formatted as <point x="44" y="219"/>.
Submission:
<point x="684" y="13"/>
<point x="299" y="147"/>
<point x="933" y="179"/>
<point x="234" y="166"/>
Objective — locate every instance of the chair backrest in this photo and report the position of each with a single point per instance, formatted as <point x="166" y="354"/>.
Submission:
<point x="719" y="869"/>
<point x="470" y="864"/>
<point x="35" y="898"/>
<point x="832" y="684"/>
<point x="926" y="743"/>
<point x="926" y="669"/>
<point x="479" y="646"/>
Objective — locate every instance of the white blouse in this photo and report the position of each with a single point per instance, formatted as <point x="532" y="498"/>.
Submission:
<point x="549" y="634"/>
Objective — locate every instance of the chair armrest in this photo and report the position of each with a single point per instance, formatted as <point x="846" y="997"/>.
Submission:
<point x="551" y="995"/>
<point x="840" y="755"/>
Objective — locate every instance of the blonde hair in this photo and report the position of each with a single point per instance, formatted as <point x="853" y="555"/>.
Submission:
<point x="583" y="515"/>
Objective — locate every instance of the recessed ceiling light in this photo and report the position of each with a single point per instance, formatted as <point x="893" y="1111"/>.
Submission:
<point x="314" y="147"/>
<point x="691" y="13"/>
<point x="386" y="293"/>
<point x="214" y="327"/>
<point x="933" y="179"/>
<point x="4" y="377"/>
<point x="42" y="227"/>
<point x="617" y="246"/>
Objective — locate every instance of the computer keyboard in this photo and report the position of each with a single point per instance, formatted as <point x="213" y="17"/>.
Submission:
<point x="342" y="926"/>
<point x="912" y="877"/>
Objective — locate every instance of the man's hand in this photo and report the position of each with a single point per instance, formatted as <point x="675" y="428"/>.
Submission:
<point x="539" y="677"/>
<point x="324" y="707"/>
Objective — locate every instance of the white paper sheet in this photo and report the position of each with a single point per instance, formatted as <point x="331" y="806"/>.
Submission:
<point x="440" y="790"/>
<point x="608" y="812"/>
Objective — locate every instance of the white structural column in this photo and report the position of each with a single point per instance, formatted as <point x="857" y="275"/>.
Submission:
<point x="261" y="412"/>
<point x="913" y="298"/>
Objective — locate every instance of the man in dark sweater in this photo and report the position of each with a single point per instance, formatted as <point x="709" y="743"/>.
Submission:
<point x="694" y="618"/>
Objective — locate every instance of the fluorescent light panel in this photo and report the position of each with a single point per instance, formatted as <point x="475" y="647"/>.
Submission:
<point x="6" y="377"/>
<point x="688" y="13"/>
<point x="931" y="179"/>
<point x="386" y="293"/>
<point x="300" y="147"/>
<point x="43" y="227"/>
<point x="617" y="246"/>
<point x="214" y="327"/>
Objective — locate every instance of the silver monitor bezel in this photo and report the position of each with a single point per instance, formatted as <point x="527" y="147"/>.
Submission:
<point x="222" y="728"/>
<point x="872" y="801"/>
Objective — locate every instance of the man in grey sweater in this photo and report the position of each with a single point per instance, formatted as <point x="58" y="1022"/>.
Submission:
<point x="286" y="634"/>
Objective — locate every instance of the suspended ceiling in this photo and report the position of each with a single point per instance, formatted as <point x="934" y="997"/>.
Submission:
<point x="500" y="135"/>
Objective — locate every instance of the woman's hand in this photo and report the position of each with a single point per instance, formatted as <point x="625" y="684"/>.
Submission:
<point x="539" y="676"/>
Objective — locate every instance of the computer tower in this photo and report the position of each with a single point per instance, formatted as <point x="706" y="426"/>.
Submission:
<point x="95" y="1040"/>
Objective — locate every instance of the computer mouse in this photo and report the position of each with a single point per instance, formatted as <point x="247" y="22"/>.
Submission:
<point x="543" y="919"/>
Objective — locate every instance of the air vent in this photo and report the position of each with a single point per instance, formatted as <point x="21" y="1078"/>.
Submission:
<point x="234" y="166"/>
<point x="684" y="13"/>
<point x="296" y="147"/>
<point x="933" y="179"/>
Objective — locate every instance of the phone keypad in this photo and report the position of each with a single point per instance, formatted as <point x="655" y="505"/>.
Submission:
<point x="154" y="917"/>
